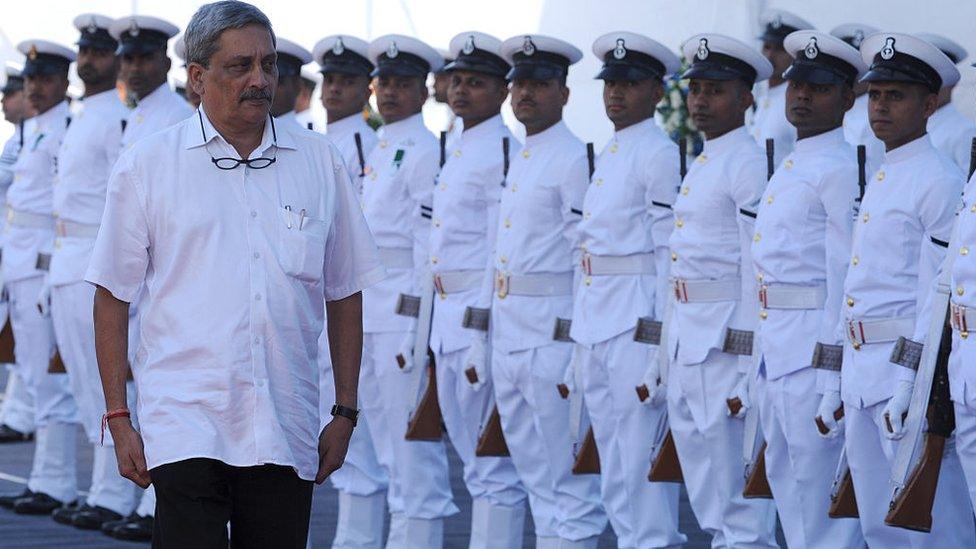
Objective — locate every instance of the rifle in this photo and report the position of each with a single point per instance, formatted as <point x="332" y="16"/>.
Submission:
<point x="588" y="458"/>
<point x="590" y="159"/>
<point x="665" y="466"/>
<point x="55" y="365"/>
<point x="683" y="157"/>
<point x="843" y="503"/>
<point x="862" y="181"/>
<point x="359" y="154"/>
<point x="770" y="163"/>
<point x="491" y="442"/>
<point x="7" y="343"/>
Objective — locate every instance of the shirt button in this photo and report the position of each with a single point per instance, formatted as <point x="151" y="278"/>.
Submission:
<point x="457" y="153"/>
<point x="257" y="297"/>
<point x="855" y="260"/>
<point x="599" y="182"/>
<point x="866" y="217"/>
<point x="587" y="215"/>
<point x="964" y="251"/>
<point x="588" y="281"/>
<point x="757" y="237"/>
<point x="788" y="164"/>
<point x="254" y="213"/>
<point x="383" y="144"/>
<point x="701" y="159"/>
<point x="443" y="186"/>
<point x="614" y="148"/>
<point x="503" y="259"/>
<point x="437" y="222"/>
<point x="508" y="223"/>
<point x="769" y="200"/>
<point x="960" y="290"/>
<point x="850" y="302"/>
<point x="880" y="176"/>
<point x="763" y="315"/>
<point x="526" y="153"/>
<point x="514" y="187"/>
<point x="260" y="383"/>
<point x="684" y="190"/>
<point x="433" y="260"/>
<point x="679" y="223"/>
<point x="973" y="209"/>
<point x="674" y="256"/>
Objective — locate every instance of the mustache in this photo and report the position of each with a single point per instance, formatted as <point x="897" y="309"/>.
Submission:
<point x="255" y="93"/>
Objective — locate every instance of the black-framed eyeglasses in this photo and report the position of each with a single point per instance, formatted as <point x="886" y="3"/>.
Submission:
<point x="229" y="162"/>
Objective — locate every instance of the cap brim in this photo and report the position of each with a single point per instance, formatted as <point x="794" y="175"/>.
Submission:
<point x="138" y="48"/>
<point x="883" y="74"/>
<point x="343" y="68"/>
<point x="534" y="71"/>
<point x="710" y="73"/>
<point x="625" y="73"/>
<point x="813" y="75"/>
<point x="397" y="69"/>
<point x="466" y="64"/>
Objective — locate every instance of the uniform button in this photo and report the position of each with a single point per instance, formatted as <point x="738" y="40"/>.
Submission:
<point x="57" y="244"/>
<point x="788" y="164"/>
<point x="588" y="281"/>
<point x="372" y="176"/>
<point x="964" y="335"/>
<point x="701" y="159"/>
<point x="503" y="259"/>
<point x="526" y="153"/>
<point x="964" y="251"/>
<point x="587" y="215"/>
<point x="880" y="176"/>
<point x="383" y="144"/>
<point x="757" y="237"/>
<point x="260" y="383"/>
<point x="763" y="315"/>
<point x="257" y="297"/>
<point x="684" y="191"/>
<point x="457" y="153"/>
<point x="514" y="187"/>
<point x="759" y="278"/>
<point x="599" y="181"/>
<point x="257" y="340"/>
<point x="508" y="223"/>
<point x="674" y="256"/>
<point x="614" y="148"/>
<point x="769" y="200"/>
<point x="973" y="209"/>
<point x="254" y="213"/>
<point x="583" y="247"/>
<point x="850" y="302"/>
<point x="855" y="260"/>
<point x="960" y="290"/>
<point x="437" y="222"/>
<point x="866" y="217"/>
<point x="679" y="223"/>
<point x="433" y="260"/>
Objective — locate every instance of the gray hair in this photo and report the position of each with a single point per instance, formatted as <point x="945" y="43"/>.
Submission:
<point x="211" y="20"/>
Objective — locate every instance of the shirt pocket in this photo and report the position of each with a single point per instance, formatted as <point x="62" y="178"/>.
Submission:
<point x="301" y="245"/>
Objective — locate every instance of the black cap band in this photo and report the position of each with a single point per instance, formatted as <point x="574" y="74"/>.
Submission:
<point x="624" y="64"/>
<point x="776" y="33"/>
<point x="479" y="61"/>
<point x="138" y="41"/>
<point x="403" y="64"/>
<point x="541" y="65"/>
<point x="718" y="66"/>
<point x="347" y="62"/>
<point x="98" y="39"/>
<point x="822" y="69"/>
<point x="902" y="67"/>
<point x="288" y="65"/>
<point x="14" y="83"/>
<point x="45" y="63"/>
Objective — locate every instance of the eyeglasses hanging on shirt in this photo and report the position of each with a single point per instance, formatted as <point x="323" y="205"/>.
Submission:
<point x="229" y="162"/>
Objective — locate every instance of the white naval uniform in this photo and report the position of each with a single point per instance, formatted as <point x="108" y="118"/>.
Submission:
<point x="805" y="221"/>
<point x="541" y="206"/>
<point x="627" y="213"/>
<point x="857" y="131"/>
<point x="711" y="242"/>
<point x="88" y="152"/>
<point x="952" y="134"/>
<point x="465" y="213"/>
<point x="910" y="200"/>
<point x="306" y="117"/>
<point x="342" y="134"/>
<point x="769" y="122"/>
<point x="401" y="171"/>
<point x="157" y="111"/>
<point x="17" y="410"/>
<point x="28" y="233"/>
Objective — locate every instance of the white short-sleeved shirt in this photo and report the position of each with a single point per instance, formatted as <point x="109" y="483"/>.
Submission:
<point x="236" y="264"/>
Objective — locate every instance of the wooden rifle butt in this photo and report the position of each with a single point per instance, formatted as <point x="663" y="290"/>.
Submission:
<point x="757" y="486"/>
<point x="7" y="344"/>
<point x="844" y="503"/>
<point x="588" y="458"/>
<point x="56" y="365"/>
<point x="491" y="442"/>
<point x="425" y="424"/>
<point x="666" y="467"/>
<point x="912" y="509"/>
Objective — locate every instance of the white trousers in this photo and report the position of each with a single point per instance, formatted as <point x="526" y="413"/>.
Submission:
<point x="642" y="513"/>
<point x="870" y="456"/>
<point x="966" y="445"/>
<point x="17" y="410"/>
<point x="800" y="464"/>
<point x="418" y="470"/>
<point x="535" y="421"/>
<point x="53" y="472"/>
<point x="709" y="445"/>
<point x="71" y="313"/>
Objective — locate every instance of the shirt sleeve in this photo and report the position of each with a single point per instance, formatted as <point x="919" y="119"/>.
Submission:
<point x="122" y="250"/>
<point x="838" y="190"/>
<point x="661" y="177"/>
<point x="352" y="262"/>
<point x="746" y="189"/>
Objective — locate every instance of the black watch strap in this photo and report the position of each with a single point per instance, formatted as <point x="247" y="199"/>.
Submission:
<point x="349" y="413"/>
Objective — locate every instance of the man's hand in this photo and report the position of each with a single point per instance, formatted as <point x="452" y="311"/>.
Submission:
<point x="475" y="363"/>
<point x="333" y="444"/>
<point x="404" y="357"/>
<point x="129" y="451"/>
<point x="896" y="410"/>
<point x="738" y="400"/>
<point x="830" y="415"/>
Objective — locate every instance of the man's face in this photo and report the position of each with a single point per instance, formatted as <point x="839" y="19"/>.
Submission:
<point x="816" y="108"/>
<point x="344" y="95"/>
<point x="15" y="107"/>
<point x="45" y="90"/>
<point x="399" y="97"/>
<point x="475" y="96"/>
<point x="97" y="66"/>
<point x="142" y="73"/>
<point x="718" y="106"/>
<point x="774" y="52"/>
<point x="538" y="103"/>
<point x="899" y="111"/>
<point x="628" y="102"/>
<point x="286" y="94"/>
<point x="442" y="82"/>
<point x="240" y="82"/>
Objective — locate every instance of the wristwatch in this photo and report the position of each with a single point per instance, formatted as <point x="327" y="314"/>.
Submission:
<point x="349" y="413"/>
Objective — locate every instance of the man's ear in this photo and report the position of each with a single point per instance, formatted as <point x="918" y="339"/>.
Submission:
<point x="657" y="93"/>
<point x="847" y="92"/>
<point x="746" y="99"/>
<point x="565" y="95"/>
<point x="930" y="104"/>
<point x="194" y="76"/>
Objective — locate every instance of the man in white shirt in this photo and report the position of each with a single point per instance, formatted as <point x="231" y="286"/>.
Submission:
<point x="623" y="243"/>
<point x="899" y="241"/>
<point x="88" y="152"/>
<point x="857" y="128"/>
<point x="950" y="131"/>
<point x="291" y="57"/>
<point x="29" y="239"/>
<point x="225" y="368"/>
<point x="715" y="292"/>
<point x="805" y="224"/>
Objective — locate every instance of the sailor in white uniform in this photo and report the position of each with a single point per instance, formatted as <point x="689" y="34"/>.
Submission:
<point x="291" y="57"/>
<point x="857" y="129"/>
<point x="951" y="132"/>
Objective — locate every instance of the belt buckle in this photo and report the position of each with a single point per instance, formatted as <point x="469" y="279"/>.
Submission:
<point x="763" y="296"/>
<point x="959" y="319"/>
<point x="854" y="327"/>
<point x="587" y="264"/>
<point x="439" y="286"/>
<point x="501" y="284"/>
<point x="680" y="290"/>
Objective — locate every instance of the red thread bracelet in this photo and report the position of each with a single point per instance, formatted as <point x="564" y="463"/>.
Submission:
<point x="121" y="412"/>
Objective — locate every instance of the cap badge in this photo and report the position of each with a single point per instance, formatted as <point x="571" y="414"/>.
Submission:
<point x="703" y="52"/>
<point x="392" y="51"/>
<point x="134" y="28"/>
<point x="857" y="38"/>
<point x="620" y="51"/>
<point x="338" y="48"/>
<point x="811" y="51"/>
<point x="32" y="53"/>
<point x="468" y="48"/>
<point x="777" y="22"/>
<point x="888" y="51"/>
<point x="92" y="26"/>
<point x="528" y="48"/>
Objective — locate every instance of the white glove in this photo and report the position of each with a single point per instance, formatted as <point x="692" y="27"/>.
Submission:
<point x="738" y="400"/>
<point x="827" y="425"/>
<point x="475" y="363"/>
<point x="895" y="410"/>
<point x="651" y="383"/>
<point x="404" y="356"/>
<point x="44" y="301"/>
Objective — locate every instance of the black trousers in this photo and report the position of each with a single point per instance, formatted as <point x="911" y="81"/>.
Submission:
<point x="266" y="506"/>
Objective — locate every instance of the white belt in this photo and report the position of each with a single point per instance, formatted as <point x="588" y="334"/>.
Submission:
<point x="453" y="282"/>
<point x="396" y="258"/>
<point x="861" y="332"/>
<point x="960" y="318"/>
<point x="791" y="296"/>
<point x="694" y="291"/>
<point x="70" y="229"/>
<point x="538" y="285"/>
<point x="598" y="265"/>
<point x="29" y="220"/>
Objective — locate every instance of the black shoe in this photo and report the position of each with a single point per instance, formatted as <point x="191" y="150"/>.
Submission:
<point x="66" y="514"/>
<point x="37" y="504"/>
<point x="9" y="434"/>
<point x="135" y="529"/>
<point x="92" y="518"/>
<point x="108" y="527"/>
<point x="7" y="500"/>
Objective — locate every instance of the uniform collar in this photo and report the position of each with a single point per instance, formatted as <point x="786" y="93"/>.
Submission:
<point x="57" y="114"/>
<point x="408" y="125"/>
<point x="824" y="140"/>
<point x="908" y="150"/>
<point x="634" y="130"/>
<point x="108" y="96"/>
<point x="942" y="115"/>
<point x="487" y="127"/>
<point x="726" y="141"/>
<point x="545" y="135"/>
<point x="287" y="118"/>
<point x="154" y="97"/>
<point x="345" y="124"/>
<point x="194" y="138"/>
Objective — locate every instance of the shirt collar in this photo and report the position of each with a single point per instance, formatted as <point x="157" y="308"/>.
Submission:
<point x="545" y="135"/>
<point x="406" y="126"/>
<point x="194" y="138"/>
<point x="941" y="115"/>
<point x="821" y="141"/>
<point x="107" y="96"/>
<point x="57" y="114"/>
<point x="155" y="96"/>
<point x="726" y="141"/>
<point x="287" y="118"/>
<point x="486" y="128"/>
<point x="908" y="150"/>
<point x="345" y="124"/>
<point x="634" y="130"/>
